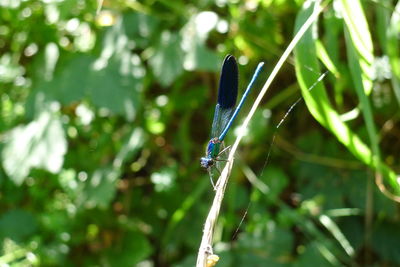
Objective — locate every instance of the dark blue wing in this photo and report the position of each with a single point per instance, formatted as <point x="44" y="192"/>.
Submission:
<point x="228" y="83"/>
<point x="227" y="94"/>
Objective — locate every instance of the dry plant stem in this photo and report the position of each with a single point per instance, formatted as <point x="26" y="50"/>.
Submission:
<point x="208" y="231"/>
<point x="383" y="189"/>
<point x="206" y="241"/>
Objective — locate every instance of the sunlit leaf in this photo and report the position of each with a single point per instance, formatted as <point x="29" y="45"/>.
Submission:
<point x="10" y="70"/>
<point x="194" y="36"/>
<point x="115" y="77"/>
<point x="39" y="144"/>
<point x="130" y="146"/>
<point x="167" y="61"/>
<point x="164" y="179"/>
<point x="359" y="33"/>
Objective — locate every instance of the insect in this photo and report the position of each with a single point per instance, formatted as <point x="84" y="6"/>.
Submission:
<point x="225" y="112"/>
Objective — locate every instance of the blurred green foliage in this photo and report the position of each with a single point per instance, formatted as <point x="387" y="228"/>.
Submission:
<point x="105" y="112"/>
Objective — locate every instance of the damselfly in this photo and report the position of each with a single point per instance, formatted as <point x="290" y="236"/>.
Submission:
<point x="225" y="112"/>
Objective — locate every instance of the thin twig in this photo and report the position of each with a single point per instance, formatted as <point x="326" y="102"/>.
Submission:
<point x="99" y="6"/>
<point x="205" y="249"/>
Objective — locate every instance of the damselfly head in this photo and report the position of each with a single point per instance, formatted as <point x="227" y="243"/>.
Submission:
<point x="206" y="162"/>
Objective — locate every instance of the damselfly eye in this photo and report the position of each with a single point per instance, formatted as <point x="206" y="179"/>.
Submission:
<point x="206" y="162"/>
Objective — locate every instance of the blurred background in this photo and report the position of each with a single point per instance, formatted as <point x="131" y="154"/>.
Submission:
<point x="106" y="108"/>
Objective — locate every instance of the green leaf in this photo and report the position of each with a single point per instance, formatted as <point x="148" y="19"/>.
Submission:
<point x="68" y="83"/>
<point x="100" y="189"/>
<point x="333" y="43"/>
<point x="140" y="28"/>
<point x="116" y="76"/>
<point x="359" y="80"/>
<point x="393" y="50"/>
<point x="357" y="25"/>
<point x="318" y="102"/>
<point x="383" y="10"/>
<point x="273" y="240"/>
<point x="276" y="180"/>
<point x="333" y="228"/>
<point x="386" y="242"/>
<point x="17" y="225"/>
<point x="109" y="88"/>
<point x="134" y="248"/>
<point x="324" y="57"/>
<point x="70" y="80"/>
<point x="39" y="144"/>
<point x="182" y="211"/>
<point x="112" y="81"/>
<point x="352" y="227"/>
<point x="311" y="256"/>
